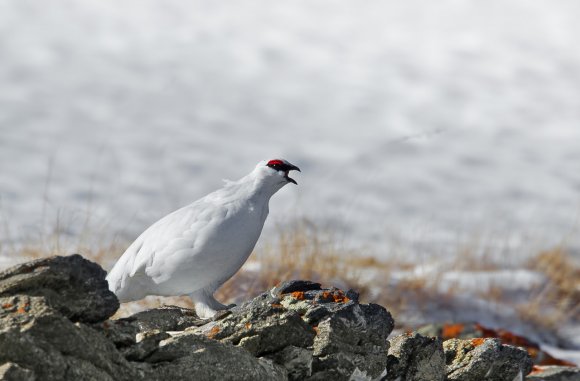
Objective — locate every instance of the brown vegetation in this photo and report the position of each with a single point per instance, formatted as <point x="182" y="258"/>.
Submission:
<point x="558" y="300"/>
<point x="303" y="251"/>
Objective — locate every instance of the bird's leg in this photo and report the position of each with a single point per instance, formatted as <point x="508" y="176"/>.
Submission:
<point x="206" y="306"/>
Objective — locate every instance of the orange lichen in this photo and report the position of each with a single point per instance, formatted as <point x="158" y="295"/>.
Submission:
<point x="334" y="296"/>
<point x="24" y="308"/>
<point x="538" y="356"/>
<point x="452" y="331"/>
<point x="276" y="305"/>
<point x="214" y="331"/>
<point x="7" y="305"/>
<point x="533" y="352"/>
<point x="477" y="341"/>
<point x="506" y="337"/>
<point x="298" y="295"/>
<point x="339" y="297"/>
<point x="536" y="369"/>
<point x="248" y="325"/>
<point x="315" y="328"/>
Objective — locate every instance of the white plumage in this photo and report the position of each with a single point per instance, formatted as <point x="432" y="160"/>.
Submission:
<point x="195" y="249"/>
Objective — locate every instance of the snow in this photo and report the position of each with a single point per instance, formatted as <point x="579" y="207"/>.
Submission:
<point x="413" y="122"/>
<point x="470" y="282"/>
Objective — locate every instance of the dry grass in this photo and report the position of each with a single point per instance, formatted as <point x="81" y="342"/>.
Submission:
<point x="549" y="306"/>
<point x="106" y="253"/>
<point x="558" y="300"/>
<point x="300" y="252"/>
<point x="470" y="258"/>
<point x="304" y="251"/>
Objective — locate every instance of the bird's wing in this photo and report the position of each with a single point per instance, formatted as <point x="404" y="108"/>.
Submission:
<point x="168" y="237"/>
<point x="182" y="250"/>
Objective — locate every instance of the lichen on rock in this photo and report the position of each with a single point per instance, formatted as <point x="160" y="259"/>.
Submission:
<point x="414" y="357"/>
<point x="484" y="359"/>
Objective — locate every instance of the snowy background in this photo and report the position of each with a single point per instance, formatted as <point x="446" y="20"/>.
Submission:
<point x="416" y="124"/>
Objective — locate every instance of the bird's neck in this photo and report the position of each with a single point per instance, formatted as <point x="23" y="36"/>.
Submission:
<point x="258" y="193"/>
<point x="253" y="188"/>
<point x="257" y="189"/>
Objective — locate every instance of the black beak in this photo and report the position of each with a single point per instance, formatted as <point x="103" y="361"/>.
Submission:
<point x="289" y="168"/>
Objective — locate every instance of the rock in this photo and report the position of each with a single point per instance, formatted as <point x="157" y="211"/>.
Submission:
<point x="53" y="326"/>
<point x="479" y="359"/>
<point x="414" y="357"/>
<point x="476" y="330"/>
<point x="146" y="344"/>
<point x="296" y="285"/>
<point x="554" y="373"/>
<point x="262" y="329"/>
<point x="355" y="337"/>
<point x="166" y="318"/>
<point x="13" y="372"/>
<point x="192" y="356"/>
<point x="150" y="326"/>
<point x="121" y="332"/>
<point x="39" y="338"/>
<point x="297" y="361"/>
<point x="300" y="318"/>
<point x="74" y="286"/>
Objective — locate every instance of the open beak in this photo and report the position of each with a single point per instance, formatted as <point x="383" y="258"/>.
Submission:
<point x="291" y="168"/>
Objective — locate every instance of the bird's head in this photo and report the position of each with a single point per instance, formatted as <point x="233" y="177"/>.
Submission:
<point x="281" y="168"/>
<point x="275" y="173"/>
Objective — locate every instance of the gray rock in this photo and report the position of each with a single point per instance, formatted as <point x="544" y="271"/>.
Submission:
<point x="166" y="318"/>
<point x="121" y="332"/>
<point x="299" y="319"/>
<point x="37" y="337"/>
<point x="262" y="329"/>
<point x="124" y="332"/>
<point x="146" y="344"/>
<point x="192" y="356"/>
<point x="297" y="362"/>
<point x="414" y="357"/>
<point x="53" y="327"/>
<point x="484" y="359"/>
<point x="296" y="285"/>
<point x="355" y="337"/>
<point x="512" y="361"/>
<point x="13" y="372"/>
<point x="74" y="286"/>
<point x="554" y="373"/>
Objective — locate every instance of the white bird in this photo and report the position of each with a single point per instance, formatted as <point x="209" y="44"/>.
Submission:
<point x="197" y="248"/>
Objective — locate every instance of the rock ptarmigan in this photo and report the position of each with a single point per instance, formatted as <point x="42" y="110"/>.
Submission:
<point x="197" y="248"/>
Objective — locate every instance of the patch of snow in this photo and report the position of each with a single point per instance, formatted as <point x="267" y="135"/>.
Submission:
<point x="410" y="130"/>
<point x="572" y="355"/>
<point x="471" y="282"/>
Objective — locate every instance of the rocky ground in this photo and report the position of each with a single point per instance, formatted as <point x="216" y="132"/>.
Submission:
<point x="55" y="325"/>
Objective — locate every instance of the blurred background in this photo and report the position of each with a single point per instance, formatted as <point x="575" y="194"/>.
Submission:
<point x="437" y="140"/>
<point x="416" y="124"/>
